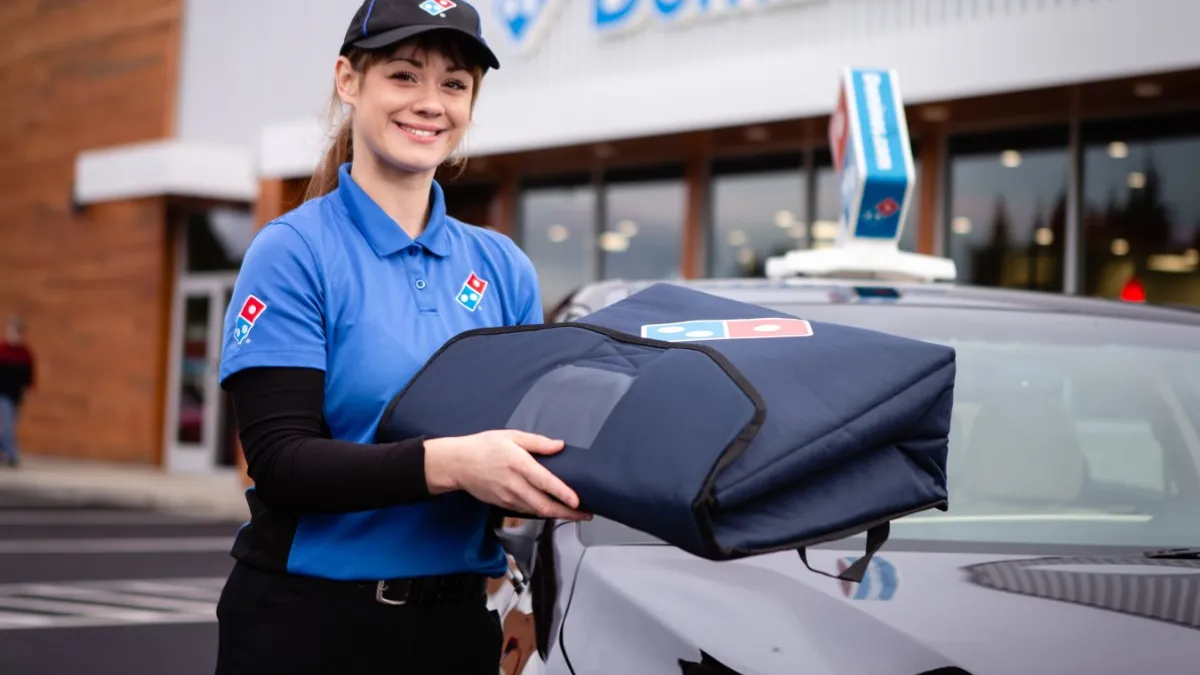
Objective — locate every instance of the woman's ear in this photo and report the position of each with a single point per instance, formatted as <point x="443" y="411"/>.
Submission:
<point x="346" y="80"/>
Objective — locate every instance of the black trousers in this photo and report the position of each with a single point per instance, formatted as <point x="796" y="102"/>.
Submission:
<point x="275" y="623"/>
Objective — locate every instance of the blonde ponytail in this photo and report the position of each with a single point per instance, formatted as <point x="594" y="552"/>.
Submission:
<point x="325" y="177"/>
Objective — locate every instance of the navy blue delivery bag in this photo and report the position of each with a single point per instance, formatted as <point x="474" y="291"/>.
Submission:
<point x="721" y="427"/>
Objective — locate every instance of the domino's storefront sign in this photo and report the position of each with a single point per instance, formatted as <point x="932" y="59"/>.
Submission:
<point x="872" y="155"/>
<point x="619" y="16"/>
<point x="526" y="21"/>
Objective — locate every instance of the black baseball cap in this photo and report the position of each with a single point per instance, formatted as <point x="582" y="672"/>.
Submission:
<point x="380" y="23"/>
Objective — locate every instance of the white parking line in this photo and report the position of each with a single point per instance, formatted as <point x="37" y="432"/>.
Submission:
<point x="127" y="545"/>
<point x="52" y="517"/>
<point x="108" y="603"/>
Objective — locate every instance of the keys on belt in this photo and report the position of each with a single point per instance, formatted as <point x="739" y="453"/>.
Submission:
<point x="441" y="590"/>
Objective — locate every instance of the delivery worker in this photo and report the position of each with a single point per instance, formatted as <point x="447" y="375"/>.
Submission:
<point x="364" y="557"/>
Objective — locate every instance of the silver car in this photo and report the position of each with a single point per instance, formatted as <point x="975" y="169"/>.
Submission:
<point x="1072" y="543"/>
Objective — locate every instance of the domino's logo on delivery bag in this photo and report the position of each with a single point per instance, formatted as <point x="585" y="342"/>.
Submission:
<point x="727" y="329"/>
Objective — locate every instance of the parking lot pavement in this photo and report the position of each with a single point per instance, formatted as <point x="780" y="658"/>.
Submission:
<point x="91" y="590"/>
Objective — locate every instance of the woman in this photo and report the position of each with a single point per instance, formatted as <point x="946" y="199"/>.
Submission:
<point x="362" y="557"/>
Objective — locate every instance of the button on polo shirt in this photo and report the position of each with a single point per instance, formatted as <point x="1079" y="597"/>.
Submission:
<point x="337" y="285"/>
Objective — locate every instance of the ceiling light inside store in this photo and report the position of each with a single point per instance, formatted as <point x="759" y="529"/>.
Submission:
<point x="1170" y="263"/>
<point x="785" y="218"/>
<point x="1119" y="247"/>
<point x="604" y="151"/>
<point x="961" y="225"/>
<point x="757" y="134"/>
<point x="614" y="242"/>
<point x="1137" y="180"/>
<point x="825" y="230"/>
<point x="935" y="113"/>
<point x="1147" y="90"/>
<point x="1044" y="236"/>
<point x="558" y="233"/>
<point x="1010" y="159"/>
<point x="1118" y="150"/>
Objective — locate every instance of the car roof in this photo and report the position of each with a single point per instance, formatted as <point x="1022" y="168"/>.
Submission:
<point x="815" y="290"/>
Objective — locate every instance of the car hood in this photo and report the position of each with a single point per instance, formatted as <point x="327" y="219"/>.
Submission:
<point x="655" y="609"/>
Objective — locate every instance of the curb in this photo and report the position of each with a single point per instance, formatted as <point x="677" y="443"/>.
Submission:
<point x="83" y="497"/>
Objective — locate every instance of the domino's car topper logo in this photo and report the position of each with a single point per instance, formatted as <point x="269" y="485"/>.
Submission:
<point x="526" y="20"/>
<point x="471" y="293"/>
<point x="727" y="329"/>
<point x="438" y="7"/>
<point x="251" y="309"/>
<point x="879" y="583"/>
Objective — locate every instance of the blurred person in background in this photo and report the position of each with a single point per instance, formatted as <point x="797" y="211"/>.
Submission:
<point x="16" y="378"/>
<point x="366" y="557"/>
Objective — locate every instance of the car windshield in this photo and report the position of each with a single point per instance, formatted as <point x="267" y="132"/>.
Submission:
<point x="1068" y="429"/>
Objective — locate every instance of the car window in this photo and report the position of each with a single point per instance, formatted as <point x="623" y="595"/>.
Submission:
<point x="1067" y="429"/>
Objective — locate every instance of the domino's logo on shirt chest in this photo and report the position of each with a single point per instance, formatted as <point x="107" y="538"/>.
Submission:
<point x="471" y="294"/>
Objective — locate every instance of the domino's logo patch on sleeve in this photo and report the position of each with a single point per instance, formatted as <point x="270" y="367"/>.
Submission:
<point x="247" y="316"/>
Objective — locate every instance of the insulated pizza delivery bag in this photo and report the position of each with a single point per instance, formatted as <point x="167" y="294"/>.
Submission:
<point x="721" y="427"/>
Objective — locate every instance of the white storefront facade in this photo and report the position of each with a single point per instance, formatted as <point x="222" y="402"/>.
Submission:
<point x="1054" y="139"/>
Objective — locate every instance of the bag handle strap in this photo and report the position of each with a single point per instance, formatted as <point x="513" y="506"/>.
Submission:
<point x="876" y="537"/>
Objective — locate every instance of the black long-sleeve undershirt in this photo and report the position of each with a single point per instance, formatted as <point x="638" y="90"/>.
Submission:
<point x="295" y="464"/>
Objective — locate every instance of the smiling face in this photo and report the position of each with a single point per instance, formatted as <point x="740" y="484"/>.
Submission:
<point x="412" y="105"/>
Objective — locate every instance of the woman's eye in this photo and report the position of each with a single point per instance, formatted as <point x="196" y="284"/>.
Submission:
<point x="404" y="75"/>
<point x="457" y="84"/>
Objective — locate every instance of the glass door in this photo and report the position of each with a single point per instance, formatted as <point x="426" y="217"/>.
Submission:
<point x="196" y="414"/>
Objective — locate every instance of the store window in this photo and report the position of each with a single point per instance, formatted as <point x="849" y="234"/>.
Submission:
<point x="758" y="209"/>
<point x="828" y="205"/>
<point x="470" y="203"/>
<point x="1141" y="212"/>
<point x="642" y="237"/>
<point x="557" y="232"/>
<point x="1007" y="208"/>
<point x="217" y="238"/>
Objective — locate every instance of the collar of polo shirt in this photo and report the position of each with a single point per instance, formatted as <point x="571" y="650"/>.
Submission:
<point x="384" y="235"/>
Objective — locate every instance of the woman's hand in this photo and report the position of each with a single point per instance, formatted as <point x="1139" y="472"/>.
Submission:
<point x="496" y="467"/>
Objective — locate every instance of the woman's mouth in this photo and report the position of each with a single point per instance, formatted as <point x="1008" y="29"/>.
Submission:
<point x="418" y="134"/>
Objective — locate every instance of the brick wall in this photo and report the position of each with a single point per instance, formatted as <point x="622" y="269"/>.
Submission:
<point x="93" y="285"/>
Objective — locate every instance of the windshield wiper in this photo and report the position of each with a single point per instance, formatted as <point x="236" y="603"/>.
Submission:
<point x="1174" y="554"/>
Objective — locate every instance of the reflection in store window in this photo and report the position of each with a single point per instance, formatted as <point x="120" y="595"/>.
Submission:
<point x="643" y="229"/>
<point x="557" y="233"/>
<point x="828" y="207"/>
<point x="1008" y="209"/>
<point x="1141" y="213"/>
<point x="758" y="211"/>
<point x="217" y="239"/>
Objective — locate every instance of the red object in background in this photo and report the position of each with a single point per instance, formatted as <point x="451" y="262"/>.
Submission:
<point x="1133" y="291"/>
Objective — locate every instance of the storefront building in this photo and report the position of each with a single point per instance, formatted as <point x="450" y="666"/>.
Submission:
<point x="1054" y="142"/>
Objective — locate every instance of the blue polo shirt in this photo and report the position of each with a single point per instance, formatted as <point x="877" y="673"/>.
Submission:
<point x="337" y="285"/>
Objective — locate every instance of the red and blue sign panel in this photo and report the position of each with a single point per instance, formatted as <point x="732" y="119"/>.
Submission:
<point x="726" y="329"/>
<point x="872" y="154"/>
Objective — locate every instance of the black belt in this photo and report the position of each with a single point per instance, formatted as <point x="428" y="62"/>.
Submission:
<point x="442" y="589"/>
<point x="434" y="590"/>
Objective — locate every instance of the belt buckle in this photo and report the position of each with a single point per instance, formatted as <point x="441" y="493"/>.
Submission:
<point x="380" y="589"/>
